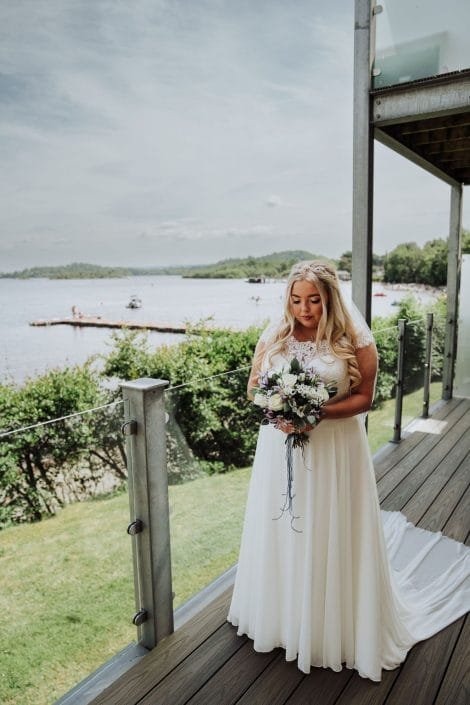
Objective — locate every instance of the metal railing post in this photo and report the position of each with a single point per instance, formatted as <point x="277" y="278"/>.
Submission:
<point x="144" y="427"/>
<point x="427" y="365"/>
<point x="399" y="384"/>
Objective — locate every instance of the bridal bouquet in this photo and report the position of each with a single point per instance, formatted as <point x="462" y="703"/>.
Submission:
<point x="294" y="395"/>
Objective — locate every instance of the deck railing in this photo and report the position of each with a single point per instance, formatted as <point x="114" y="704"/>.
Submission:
<point x="159" y="446"/>
<point x="145" y="418"/>
<point x="66" y="585"/>
<point x="419" y="40"/>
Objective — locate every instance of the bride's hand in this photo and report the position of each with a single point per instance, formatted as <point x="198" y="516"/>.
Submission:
<point x="287" y="427"/>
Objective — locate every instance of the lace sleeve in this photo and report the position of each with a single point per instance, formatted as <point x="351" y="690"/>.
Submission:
<point x="363" y="337"/>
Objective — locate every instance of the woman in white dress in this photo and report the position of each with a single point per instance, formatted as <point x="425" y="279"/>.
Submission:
<point x="343" y="582"/>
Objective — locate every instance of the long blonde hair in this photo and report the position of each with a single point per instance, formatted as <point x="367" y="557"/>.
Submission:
<point x="336" y="327"/>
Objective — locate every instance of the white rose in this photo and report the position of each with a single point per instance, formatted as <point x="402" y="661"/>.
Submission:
<point x="323" y="393"/>
<point x="289" y="379"/>
<point x="275" y="402"/>
<point x="260" y="400"/>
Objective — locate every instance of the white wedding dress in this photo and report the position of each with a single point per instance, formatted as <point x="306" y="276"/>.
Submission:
<point x="352" y="584"/>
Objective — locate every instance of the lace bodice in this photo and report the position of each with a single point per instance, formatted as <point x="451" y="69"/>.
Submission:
<point x="306" y="350"/>
<point x="320" y="357"/>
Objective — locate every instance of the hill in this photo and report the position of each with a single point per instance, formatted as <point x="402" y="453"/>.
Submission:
<point x="274" y="265"/>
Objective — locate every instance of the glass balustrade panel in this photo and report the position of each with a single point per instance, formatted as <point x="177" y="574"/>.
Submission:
<point x="211" y="436"/>
<point x="66" y="579"/>
<point x="420" y="39"/>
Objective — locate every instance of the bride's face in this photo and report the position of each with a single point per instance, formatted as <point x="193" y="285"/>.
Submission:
<point x="306" y="304"/>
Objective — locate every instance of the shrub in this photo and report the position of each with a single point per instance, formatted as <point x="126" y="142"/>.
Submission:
<point x="216" y="421"/>
<point x="42" y="468"/>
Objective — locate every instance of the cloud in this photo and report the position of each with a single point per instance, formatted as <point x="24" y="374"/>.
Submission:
<point x="164" y="123"/>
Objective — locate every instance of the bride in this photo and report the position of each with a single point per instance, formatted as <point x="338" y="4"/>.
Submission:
<point x="340" y="582"/>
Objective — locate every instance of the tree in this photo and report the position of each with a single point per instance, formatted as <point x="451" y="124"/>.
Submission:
<point x="403" y="263"/>
<point x="345" y="261"/>
<point x="433" y="270"/>
<point x="466" y="242"/>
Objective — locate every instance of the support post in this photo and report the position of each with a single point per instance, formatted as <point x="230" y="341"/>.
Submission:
<point x="363" y="157"/>
<point x="427" y="365"/>
<point x="399" y="386"/>
<point x="453" y="285"/>
<point x="144" y="427"/>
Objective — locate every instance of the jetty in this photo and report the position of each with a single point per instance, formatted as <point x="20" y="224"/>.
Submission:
<point x="98" y="322"/>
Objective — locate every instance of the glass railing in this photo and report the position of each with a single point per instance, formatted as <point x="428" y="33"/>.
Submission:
<point x="381" y="417"/>
<point x="211" y="436"/>
<point x="415" y="403"/>
<point x="66" y="579"/>
<point x="420" y="39"/>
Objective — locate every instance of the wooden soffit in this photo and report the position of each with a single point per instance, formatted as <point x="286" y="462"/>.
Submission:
<point x="428" y="122"/>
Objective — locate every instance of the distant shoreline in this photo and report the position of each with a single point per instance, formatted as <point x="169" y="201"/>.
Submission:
<point x="413" y="287"/>
<point x="388" y="286"/>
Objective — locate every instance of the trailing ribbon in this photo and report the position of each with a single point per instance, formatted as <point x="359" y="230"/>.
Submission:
<point x="289" y="496"/>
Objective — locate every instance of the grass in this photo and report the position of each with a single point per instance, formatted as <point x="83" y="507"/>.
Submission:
<point x="381" y="420"/>
<point x="66" y="583"/>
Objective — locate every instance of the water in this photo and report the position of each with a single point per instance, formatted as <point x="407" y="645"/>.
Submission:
<point x="27" y="351"/>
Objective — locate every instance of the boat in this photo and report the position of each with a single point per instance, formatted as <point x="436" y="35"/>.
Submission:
<point x="380" y="293"/>
<point x="134" y="302"/>
<point x="256" y="280"/>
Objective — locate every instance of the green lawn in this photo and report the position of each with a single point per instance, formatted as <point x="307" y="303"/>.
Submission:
<point x="66" y="585"/>
<point x="381" y="421"/>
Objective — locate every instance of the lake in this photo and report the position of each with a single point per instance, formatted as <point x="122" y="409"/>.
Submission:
<point x="26" y="351"/>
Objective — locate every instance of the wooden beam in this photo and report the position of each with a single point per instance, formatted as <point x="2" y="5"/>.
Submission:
<point x="386" y="139"/>
<point x="461" y="119"/>
<point x="448" y="147"/>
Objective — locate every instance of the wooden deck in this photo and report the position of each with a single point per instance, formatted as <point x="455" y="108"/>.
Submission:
<point x="427" y="477"/>
<point x="98" y="322"/>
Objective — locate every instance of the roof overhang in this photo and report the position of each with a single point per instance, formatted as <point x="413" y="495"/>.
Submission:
<point x="428" y="122"/>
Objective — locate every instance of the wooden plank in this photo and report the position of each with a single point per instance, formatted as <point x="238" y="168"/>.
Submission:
<point x="442" y="135"/>
<point x="275" y="685"/>
<point x="446" y="501"/>
<point x="235" y="676"/>
<point x="321" y="687"/>
<point x="455" y="687"/>
<point x="361" y="691"/>
<point x="422" y="672"/>
<point x="438" y="122"/>
<point x="96" y="322"/>
<point x="192" y="673"/>
<point x="136" y="682"/>
<point x="206" y="663"/>
<point x="458" y="525"/>
<point x="396" y="454"/>
<point x="426" y="455"/>
<point x="426" y="480"/>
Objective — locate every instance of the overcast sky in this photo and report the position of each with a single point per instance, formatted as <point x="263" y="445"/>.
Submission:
<point x="153" y="132"/>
